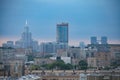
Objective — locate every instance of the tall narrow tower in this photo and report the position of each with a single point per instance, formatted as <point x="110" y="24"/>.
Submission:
<point x="94" y="40"/>
<point x="26" y="40"/>
<point x="26" y="28"/>
<point x="103" y="40"/>
<point x="26" y="37"/>
<point x="62" y="33"/>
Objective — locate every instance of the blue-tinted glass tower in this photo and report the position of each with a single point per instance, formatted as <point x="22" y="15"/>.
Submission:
<point x="94" y="40"/>
<point x="62" y="33"/>
<point x="103" y="40"/>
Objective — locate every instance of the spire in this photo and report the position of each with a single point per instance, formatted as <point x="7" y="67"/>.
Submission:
<point x="26" y="26"/>
<point x="26" y="22"/>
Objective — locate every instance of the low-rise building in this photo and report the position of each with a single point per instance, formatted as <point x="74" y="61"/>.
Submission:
<point x="16" y="68"/>
<point x="30" y="77"/>
<point x="41" y="61"/>
<point x="65" y="59"/>
<point x="92" y="62"/>
<point x="70" y="77"/>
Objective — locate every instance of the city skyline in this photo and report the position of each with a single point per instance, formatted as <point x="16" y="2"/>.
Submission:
<point x="85" y="18"/>
<point x="28" y="31"/>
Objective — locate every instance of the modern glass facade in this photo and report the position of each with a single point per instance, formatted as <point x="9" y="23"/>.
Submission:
<point x="103" y="40"/>
<point x="62" y="33"/>
<point x="94" y="40"/>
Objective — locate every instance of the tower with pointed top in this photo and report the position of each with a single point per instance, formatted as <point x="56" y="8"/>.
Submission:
<point x="26" y="28"/>
<point x="26" y="37"/>
<point x="26" y="40"/>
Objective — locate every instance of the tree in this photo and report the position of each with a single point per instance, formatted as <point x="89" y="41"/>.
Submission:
<point x="59" y="64"/>
<point x="48" y="56"/>
<point x="83" y="65"/>
<point x="67" y="66"/>
<point x="34" y="67"/>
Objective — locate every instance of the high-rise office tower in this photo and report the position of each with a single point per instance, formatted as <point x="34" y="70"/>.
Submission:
<point x="103" y="40"/>
<point x="26" y="40"/>
<point x="26" y="37"/>
<point x="62" y="33"/>
<point x="94" y="40"/>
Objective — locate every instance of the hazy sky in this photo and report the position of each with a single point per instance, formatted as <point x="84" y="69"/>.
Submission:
<point x="86" y="18"/>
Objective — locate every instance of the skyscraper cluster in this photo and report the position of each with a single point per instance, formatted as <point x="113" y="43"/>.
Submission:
<point x="45" y="48"/>
<point x="26" y="40"/>
<point x="98" y="54"/>
<point x="103" y="40"/>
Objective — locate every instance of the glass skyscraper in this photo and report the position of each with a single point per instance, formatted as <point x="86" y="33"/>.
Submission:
<point x="94" y="40"/>
<point x="62" y="33"/>
<point x="103" y="40"/>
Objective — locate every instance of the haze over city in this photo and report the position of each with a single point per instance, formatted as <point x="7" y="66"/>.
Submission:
<point x="59" y="39"/>
<point x="85" y="18"/>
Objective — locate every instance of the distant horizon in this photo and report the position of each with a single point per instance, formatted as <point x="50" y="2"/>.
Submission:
<point x="72" y="42"/>
<point x="85" y="18"/>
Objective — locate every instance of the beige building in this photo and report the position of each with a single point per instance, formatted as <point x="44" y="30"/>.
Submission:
<point x="16" y="68"/>
<point x="76" y="75"/>
<point x="101" y="59"/>
<point x="115" y="49"/>
<point x="103" y="77"/>
<point x="92" y="62"/>
<point x="41" y="61"/>
<point x="70" y="77"/>
<point x="74" y="52"/>
<point x="62" y="52"/>
<point x="102" y="56"/>
<point x="75" y="61"/>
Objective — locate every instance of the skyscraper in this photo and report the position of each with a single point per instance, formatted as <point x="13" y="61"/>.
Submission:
<point x="103" y="40"/>
<point x="94" y="40"/>
<point x="62" y="33"/>
<point x="26" y="37"/>
<point x="26" y="40"/>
